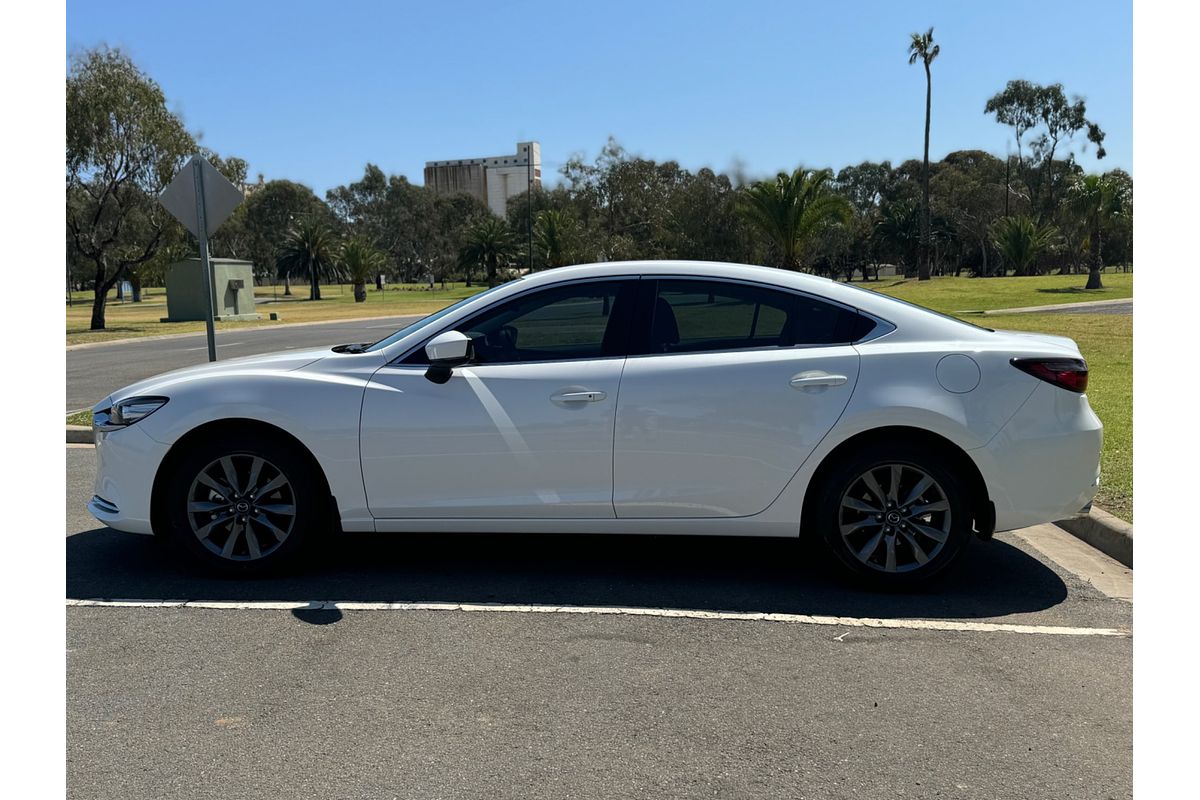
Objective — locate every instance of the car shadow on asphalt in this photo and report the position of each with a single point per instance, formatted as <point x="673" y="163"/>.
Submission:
<point x="994" y="579"/>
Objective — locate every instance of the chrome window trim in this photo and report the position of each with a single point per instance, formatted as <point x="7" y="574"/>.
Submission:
<point x="882" y="327"/>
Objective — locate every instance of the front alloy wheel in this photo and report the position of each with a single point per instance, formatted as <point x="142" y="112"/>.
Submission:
<point x="241" y="507"/>
<point x="244" y="502"/>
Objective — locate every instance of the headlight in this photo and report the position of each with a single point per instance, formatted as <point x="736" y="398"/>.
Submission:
<point x="126" y="412"/>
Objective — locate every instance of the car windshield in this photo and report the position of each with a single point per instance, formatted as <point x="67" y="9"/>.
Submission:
<point x="434" y="317"/>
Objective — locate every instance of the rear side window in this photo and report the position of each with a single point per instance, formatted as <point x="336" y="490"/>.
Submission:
<point x="697" y="316"/>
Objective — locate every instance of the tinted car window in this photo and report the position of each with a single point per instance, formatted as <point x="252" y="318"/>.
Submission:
<point x="696" y="316"/>
<point x="583" y="320"/>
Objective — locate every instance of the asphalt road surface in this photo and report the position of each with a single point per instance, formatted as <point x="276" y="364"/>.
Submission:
<point x="97" y="370"/>
<point x="251" y="703"/>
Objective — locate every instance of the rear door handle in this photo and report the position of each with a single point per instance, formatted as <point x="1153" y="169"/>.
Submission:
<point x="816" y="378"/>
<point x="586" y="396"/>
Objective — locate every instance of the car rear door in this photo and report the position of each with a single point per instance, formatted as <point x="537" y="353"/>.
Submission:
<point x="739" y="385"/>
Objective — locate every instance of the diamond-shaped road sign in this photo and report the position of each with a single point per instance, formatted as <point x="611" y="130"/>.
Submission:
<point x="220" y="196"/>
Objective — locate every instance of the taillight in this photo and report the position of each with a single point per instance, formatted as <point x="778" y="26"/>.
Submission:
<point x="1065" y="373"/>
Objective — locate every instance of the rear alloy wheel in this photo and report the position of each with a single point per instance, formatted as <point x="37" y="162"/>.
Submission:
<point x="244" y="507"/>
<point x="894" y="518"/>
<point x="894" y="515"/>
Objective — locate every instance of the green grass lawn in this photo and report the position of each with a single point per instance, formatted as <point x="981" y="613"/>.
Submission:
<point x="955" y="295"/>
<point x="133" y="320"/>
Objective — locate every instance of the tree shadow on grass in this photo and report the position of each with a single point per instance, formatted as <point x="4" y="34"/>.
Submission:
<point x="995" y="579"/>
<point x="1072" y="289"/>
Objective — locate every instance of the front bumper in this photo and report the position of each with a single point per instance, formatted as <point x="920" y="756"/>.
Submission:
<point x="126" y="463"/>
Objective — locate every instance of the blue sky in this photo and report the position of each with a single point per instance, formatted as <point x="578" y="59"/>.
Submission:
<point x="312" y="91"/>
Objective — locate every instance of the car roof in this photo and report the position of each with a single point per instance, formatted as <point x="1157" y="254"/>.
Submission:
<point x="863" y="299"/>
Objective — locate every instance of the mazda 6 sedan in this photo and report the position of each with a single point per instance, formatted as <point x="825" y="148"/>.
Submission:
<point x="641" y="397"/>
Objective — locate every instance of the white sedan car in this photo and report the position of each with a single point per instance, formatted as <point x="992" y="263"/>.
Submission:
<point x="640" y="397"/>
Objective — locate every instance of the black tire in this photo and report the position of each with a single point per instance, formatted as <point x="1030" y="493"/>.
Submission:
<point x="266" y="516"/>
<point x="913" y="537"/>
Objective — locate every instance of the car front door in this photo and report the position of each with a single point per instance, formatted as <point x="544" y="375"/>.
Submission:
<point x="523" y="431"/>
<point x="740" y="384"/>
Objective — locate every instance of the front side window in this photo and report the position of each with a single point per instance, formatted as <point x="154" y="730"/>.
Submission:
<point x="583" y="320"/>
<point x="697" y="315"/>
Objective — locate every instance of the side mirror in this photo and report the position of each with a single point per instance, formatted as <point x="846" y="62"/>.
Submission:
<point x="446" y="351"/>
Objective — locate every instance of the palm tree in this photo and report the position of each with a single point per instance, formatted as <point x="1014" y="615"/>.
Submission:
<point x="550" y="233"/>
<point x="309" y="249"/>
<point x="1097" y="200"/>
<point x="791" y="209"/>
<point x="922" y="47"/>
<point x="1021" y="240"/>
<point x="488" y="242"/>
<point x="360" y="262"/>
<point x="898" y="231"/>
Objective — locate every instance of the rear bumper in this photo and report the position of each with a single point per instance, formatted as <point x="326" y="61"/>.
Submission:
<point x="126" y="463"/>
<point x="1044" y="465"/>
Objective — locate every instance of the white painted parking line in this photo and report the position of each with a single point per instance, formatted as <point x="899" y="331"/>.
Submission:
<point x="673" y="613"/>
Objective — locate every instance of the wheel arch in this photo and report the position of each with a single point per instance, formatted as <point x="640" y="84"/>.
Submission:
<point x="983" y="510"/>
<point x="243" y="426"/>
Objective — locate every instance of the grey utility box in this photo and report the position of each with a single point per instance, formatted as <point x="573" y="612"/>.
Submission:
<point x="233" y="290"/>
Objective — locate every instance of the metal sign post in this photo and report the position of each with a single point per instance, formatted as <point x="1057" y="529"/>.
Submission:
<point x="202" y="201"/>
<point x="205" y="264"/>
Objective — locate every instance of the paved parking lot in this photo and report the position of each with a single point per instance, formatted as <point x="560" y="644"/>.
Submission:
<point x="247" y="701"/>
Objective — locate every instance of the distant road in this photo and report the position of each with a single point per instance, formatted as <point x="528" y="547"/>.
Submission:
<point x="95" y="371"/>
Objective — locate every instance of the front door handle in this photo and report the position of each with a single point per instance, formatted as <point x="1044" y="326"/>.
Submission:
<point x="816" y="378"/>
<point x="584" y="396"/>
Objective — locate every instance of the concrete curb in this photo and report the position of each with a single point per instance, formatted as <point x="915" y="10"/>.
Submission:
<point x="1108" y="534"/>
<point x="1084" y="304"/>
<point x="79" y="434"/>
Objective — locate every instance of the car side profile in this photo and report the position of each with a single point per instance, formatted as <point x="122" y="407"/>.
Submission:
<point x="638" y="397"/>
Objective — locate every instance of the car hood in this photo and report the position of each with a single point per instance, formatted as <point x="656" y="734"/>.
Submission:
<point x="284" y="361"/>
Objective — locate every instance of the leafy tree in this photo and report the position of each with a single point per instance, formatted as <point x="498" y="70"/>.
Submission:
<point x="968" y="192"/>
<point x="921" y="48"/>
<point x="1021" y="240"/>
<point x="488" y="243"/>
<point x="791" y="209"/>
<point x="360" y="262"/>
<point x="123" y="147"/>
<point x="396" y="216"/>
<point x="1098" y="200"/>
<point x="309" y="249"/>
<point x="1044" y="110"/>
<point x="269" y="214"/>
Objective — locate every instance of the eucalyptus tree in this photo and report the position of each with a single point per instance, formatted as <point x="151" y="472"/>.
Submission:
<point x="921" y="48"/>
<point x="1098" y="200"/>
<point x="123" y="147"/>
<point x="488" y="243"/>
<point x="1021" y="239"/>
<point x="1053" y="121"/>
<point x="791" y="209"/>
<point x="310" y="249"/>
